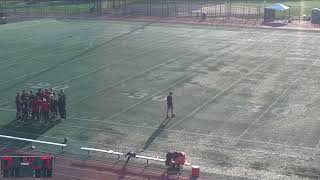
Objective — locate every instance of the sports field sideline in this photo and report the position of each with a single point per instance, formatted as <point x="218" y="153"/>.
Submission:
<point x="246" y="99"/>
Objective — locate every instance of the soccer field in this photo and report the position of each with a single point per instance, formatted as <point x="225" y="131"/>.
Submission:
<point x="246" y="99"/>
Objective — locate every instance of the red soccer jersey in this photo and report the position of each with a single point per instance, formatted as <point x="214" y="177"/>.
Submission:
<point x="35" y="105"/>
<point x="45" y="106"/>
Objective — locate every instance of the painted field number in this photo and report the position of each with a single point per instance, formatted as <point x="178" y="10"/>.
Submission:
<point x="140" y="95"/>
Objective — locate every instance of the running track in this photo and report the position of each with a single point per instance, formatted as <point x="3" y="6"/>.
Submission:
<point x="67" y="168"/>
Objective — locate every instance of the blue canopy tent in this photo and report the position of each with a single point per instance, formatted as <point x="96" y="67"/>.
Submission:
<point x="270" y="14"/>
<point x="278" y="7"/>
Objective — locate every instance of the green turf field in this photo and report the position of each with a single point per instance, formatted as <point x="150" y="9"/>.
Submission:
<point x="235" y="89"/>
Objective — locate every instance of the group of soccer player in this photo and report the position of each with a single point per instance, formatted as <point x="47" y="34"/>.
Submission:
<point x="44" y="105"/>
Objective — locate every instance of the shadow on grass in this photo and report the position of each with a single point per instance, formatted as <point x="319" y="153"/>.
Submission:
<point x="156" y="133"/>
<point x="29" y="129"/>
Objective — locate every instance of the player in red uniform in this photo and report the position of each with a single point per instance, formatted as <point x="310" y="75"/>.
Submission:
<point x="45" y="108"/>
<point x="35" y="106"/>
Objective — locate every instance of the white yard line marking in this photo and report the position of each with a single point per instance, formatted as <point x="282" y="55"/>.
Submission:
<point x="127" y="79"/>
<point x="225" y="90"/>
<point x="176" y="131"/>
<point x="278" y="98"/>
<point x="63" y="32"/>
<point x="148" y="97"/>
<point x="152" y="68"/>
<point x="111" y="117"/>
<point x="172" y="131"/>
<point x="87" y="51"/>
<point x="81" y="75"/>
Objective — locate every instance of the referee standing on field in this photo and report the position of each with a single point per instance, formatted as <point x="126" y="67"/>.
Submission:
<point x="170" y="105"/>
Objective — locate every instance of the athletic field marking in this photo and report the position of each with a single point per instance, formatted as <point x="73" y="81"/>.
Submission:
<point x="148" y="97"/>
<point x="103" y="67"/>
<point x="170" y="127"/>
<point x="58" y="47"/>
<point x="38" y="57"/>
<point x="142" y="95"/>
<point x="167" y="130"/>
<point x="179" y="56"/>
<point x="58" y="87"/>
<point x="79" y="75"/>
<point x="221" y="146"/>
<point x="52" y="66"/>
<point x="110" y="64"/>
<point x="78" y="42"/>
<point x="230" y="147"/>
<point x="152" y="68"/>
<point x="87" y="50"/>
<point x="37" y="22"/>
<point x="233" y="148"/>
<point x="226" y="90"/>
<point x="128" y="78"/>
<point x="279" y="97"/>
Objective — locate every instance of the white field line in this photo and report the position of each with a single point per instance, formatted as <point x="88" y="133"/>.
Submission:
<point x="40" y="71"/>
<point x="39" y="57"/>
<point x="226" y="90"/>
<point x="149" y="97"/>
<point x="205" y="60"/>
<point x="166" y="130"/>
<point x="127" y="79"/>
<point x="60" y="33"/>
<point x="75" y="57"/>
<point x="278" y="98"/>
<point x="152" y="68"/>
<point x="80" y="59"/>
<point x="81" y="75"/>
